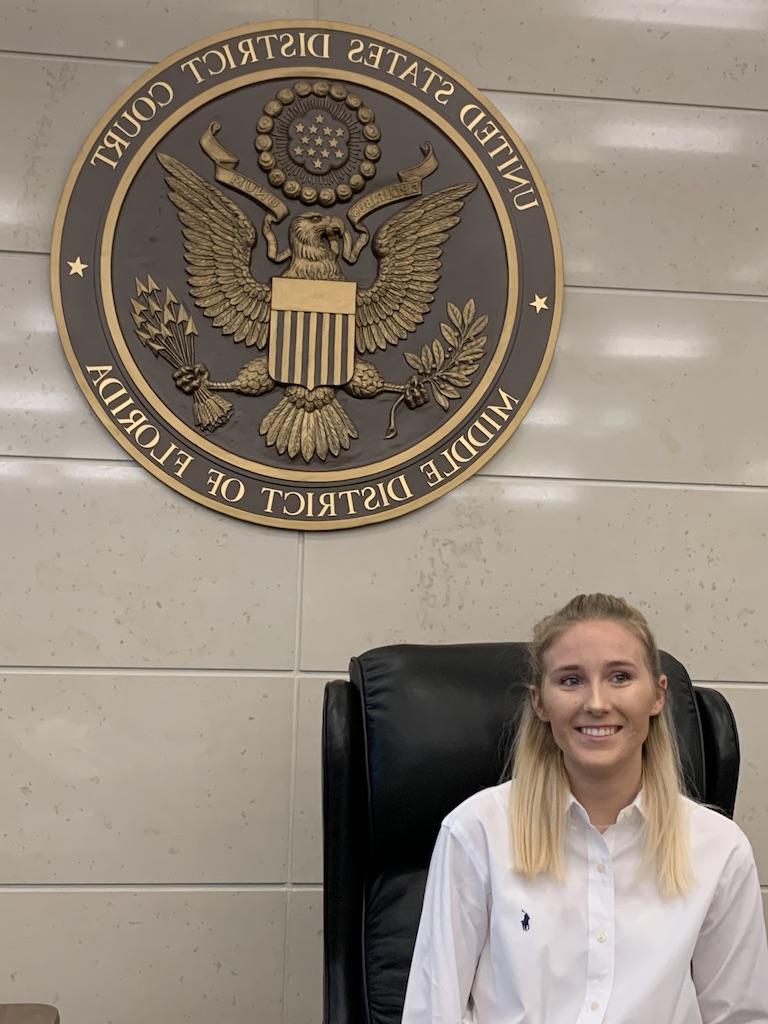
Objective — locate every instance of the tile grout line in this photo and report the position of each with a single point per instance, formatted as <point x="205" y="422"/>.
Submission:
<point x="165" y="887"/>
<point x="294" y="754"/>
<point x="518" y="477"/>
<point x="315" y="673"/>
<point x="490" y="91"/>
<point x="299" y="602"/>
<point x="144" y="63"/>
<point x="602" y="288"/>
<point x="163" y="671"/>
<point x="26" y="252"/>
<point x="734" y="684"/>
<point x="677" y="485"/>
<point x="687" y="292"/>
<point x="284" y="996"/>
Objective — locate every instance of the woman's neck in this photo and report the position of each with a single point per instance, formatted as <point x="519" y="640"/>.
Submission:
<point x="604" y="798"/>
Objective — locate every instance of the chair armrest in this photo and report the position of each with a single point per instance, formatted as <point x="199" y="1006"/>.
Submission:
<point x="345" y="831"/>
<point x="28" y="1013"/>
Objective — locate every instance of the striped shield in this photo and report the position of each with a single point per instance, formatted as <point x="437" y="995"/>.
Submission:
<point x="312" y="332"/>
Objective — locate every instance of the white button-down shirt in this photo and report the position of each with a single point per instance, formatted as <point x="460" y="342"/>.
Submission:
<point x="496" y="948"/>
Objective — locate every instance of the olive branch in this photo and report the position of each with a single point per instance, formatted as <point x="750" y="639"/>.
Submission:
<point x="446" y="365"/>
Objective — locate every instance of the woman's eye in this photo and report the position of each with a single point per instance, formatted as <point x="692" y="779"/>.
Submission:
<point x="569" y="681"/>
<point x="620" y="677"/>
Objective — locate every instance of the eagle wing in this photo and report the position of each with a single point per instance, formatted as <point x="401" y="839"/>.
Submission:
<point x="218" y="241"/>
<point x="408" y="247"/>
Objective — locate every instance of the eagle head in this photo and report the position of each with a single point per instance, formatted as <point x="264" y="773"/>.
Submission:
<point x="316" y="230"/>
<point x="315" y="241"/>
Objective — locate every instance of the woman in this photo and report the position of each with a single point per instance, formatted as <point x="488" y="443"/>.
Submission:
<point x="588" y="889"/>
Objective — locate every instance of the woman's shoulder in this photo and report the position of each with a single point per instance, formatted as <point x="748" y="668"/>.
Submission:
<point x="710" y="829"/>
<point x="484" y="811"/>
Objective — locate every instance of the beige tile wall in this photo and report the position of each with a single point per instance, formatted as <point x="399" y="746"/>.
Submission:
<point x="162" y="667"/>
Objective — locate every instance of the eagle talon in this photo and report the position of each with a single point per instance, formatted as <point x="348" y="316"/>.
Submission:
<point x="416" y="393"/>
<point x="190" y="379"/>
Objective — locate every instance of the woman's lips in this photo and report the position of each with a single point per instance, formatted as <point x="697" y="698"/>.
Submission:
<point x="598" y="732"/>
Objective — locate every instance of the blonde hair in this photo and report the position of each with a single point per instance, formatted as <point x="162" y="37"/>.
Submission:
<point x="539" y="781"/>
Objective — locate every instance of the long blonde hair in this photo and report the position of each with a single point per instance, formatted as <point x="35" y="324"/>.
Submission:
<point x="539" y="781"/>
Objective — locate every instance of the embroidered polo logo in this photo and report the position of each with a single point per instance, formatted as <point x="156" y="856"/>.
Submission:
<point x="526" y="922"/>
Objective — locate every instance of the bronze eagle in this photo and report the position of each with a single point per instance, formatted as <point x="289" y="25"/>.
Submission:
<point x="219" y="240"/>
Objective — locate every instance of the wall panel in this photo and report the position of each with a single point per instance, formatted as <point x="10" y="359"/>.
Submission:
<point x="307" y="849"/>
<point x="105" y="566"/>
<point x="697" y="53"/>
<point x="144" y="777"/>
<point x="490" y="558"/>
<point x="124" y="956"/>
<point x="42" y="411"/>
<point x="709" y="54"/>
<point x="304" y="957"/>
<point x="696" y="178"/>
<point x="40" y="102"/>
<point x="87" y="28"/>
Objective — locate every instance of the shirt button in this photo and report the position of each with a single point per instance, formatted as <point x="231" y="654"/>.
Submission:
<point x="601" y="868"/>
<point x="595" y="1006"/>
<point x="602" y="937"/>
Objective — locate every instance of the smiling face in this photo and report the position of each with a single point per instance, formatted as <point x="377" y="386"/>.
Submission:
<point x="598" y="696"/>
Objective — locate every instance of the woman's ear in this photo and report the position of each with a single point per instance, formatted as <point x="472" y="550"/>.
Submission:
<point x="535" y="695"/>
<point x="661" y="696"/>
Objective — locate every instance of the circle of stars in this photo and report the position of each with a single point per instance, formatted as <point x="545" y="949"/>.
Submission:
<point x="319" y="143"/>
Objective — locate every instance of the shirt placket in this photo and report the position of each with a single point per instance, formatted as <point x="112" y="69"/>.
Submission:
<point x="601" y="938"/>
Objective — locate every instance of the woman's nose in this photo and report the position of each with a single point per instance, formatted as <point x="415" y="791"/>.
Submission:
<point x="596" y="697"/>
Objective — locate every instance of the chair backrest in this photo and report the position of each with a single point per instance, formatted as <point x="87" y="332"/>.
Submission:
<point x="415" y="731"/>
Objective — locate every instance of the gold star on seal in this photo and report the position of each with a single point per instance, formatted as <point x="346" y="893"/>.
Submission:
<point x="77" y="267"/>
<point x="539" y="303"/>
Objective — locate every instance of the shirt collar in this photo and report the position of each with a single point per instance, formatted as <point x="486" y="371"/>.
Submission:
<point x="635" y="810"/>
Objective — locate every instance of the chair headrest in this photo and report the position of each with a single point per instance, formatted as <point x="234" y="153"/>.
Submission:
<point x="438" y="725"/>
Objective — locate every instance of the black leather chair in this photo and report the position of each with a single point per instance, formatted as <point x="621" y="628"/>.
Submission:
<point x="416" y="730"/>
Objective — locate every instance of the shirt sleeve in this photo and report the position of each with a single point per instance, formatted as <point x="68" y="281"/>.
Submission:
<point x="452" y="932"/>
<point x="730" y="961"/>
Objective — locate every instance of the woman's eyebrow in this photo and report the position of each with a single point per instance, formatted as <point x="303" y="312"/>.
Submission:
<point x="620" y="663"/>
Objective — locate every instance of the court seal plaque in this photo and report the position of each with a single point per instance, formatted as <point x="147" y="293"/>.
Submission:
<point x="307" y="275"/>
